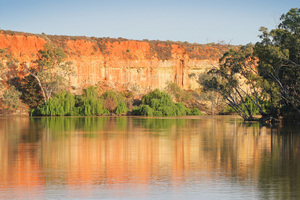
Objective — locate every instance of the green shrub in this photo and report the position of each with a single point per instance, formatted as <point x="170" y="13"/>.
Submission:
<point x="66" y="104"/>
<point x="196" y="111"/>
<point x="156" y="94"/>
<point x="181" y="109"/>
<point x="90" y="103"/>
<point x="157" y="113"/>
<point x="159" y="103"/>
<point x="145" y="110"/>
<point x="121" y="108"/>
<point x="227" y="110"/>
<point x="154" y="103"/>
<point x="92" y="107"/>
<point x="188" y="111"/>
<point x="91" y="92"/>
<point x="61" y="104"/>
<point x="167" y="111"/>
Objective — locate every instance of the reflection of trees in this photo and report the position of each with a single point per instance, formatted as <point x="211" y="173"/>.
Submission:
<point x="230" y="147"/>
<point x="159" y="124"/>
<point x="19" y="139"/>
<point x="279" y="172"/>
<point x="107" y="150"/>
<point x="65" y="125"/>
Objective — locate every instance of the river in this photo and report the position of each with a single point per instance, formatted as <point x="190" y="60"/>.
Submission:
<point x="206" y="157"/>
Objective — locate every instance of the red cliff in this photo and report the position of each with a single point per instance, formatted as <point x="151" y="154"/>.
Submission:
<point x="119" y="63"/>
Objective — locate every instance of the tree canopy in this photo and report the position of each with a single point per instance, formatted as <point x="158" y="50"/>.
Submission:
<point x="50" y="70"/>
<point x="267" y="73"/>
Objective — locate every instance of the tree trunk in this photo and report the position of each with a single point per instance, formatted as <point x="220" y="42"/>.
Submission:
<point x="40" y="84"/>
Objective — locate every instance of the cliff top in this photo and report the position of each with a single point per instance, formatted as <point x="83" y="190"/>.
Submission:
<point x="121" y="47"/>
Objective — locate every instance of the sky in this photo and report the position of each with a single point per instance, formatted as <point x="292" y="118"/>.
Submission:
<point x="202" y="21"/>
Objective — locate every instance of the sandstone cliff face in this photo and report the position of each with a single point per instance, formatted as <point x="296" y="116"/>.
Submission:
<point x="140" y="66"/>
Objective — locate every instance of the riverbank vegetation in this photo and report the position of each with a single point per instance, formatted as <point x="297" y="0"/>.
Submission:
<point x="92" y="103"/>
<point x="255" y="79"/>
<point x="264" y="77"/>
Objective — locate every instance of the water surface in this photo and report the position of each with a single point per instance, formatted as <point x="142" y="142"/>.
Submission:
<point x="147" y="158"/>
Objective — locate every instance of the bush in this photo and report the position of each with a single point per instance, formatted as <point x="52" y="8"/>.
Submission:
<point x="88" y="104"/>
<point x="156" y="94"/>
<point x="159" y="103"/>
<point x="112" y="100"/>
<point x="227" y="110"/>
<point x="121" y="108"/>
<point x="181" y="109"/>
<point x="61" y="104"/>
<point x="196" y="111"/>
<point x="156" y="103"/>
<point x="11" y="97"/>
<point x="167" y="111"/>
<point x="179" y="94"/>
<point x="92" y="107"/>
<point x="145" y="110"/>
<point x="66" y="104"/>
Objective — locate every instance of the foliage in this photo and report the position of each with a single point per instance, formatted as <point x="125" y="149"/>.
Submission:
<point x="66" y="104"/>
<point x="279" y="61"/>
<point x="211" y="97"/>
<point x="227" y="110"/>
<point x="50" y="70"/>
<point x="60" y="105"/>
<point x="8" y="70"/>
<point x="11" y="97"/>
<point x="30" y="91"/>
<point x="179" y="94"/>
<point x="111" y="100"/>
<point x="144" y="110"/>
<point x="121" y="108"/>
<point x="237" y="81"/>
<point x="196" y="111"/>
<point x="8" y="65"/>
<point x="263" y="77"/>
<point x="159" y="103"/>
<point x="90" y="103"/>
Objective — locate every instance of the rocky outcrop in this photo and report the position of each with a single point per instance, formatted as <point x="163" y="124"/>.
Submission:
<point x="140" y="66"/>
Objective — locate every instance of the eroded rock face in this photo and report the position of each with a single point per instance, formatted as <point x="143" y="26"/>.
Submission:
<point x="120" y="64"/>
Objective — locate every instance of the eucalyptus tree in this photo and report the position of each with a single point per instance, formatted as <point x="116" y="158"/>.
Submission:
<point x="50" y="70"/>
<point x="279" y="60"/>
<point x="267" y="73"/>
<point x="237" y="80"/>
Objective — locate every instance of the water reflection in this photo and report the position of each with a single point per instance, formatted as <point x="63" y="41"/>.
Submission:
<point x="127" y="157"/>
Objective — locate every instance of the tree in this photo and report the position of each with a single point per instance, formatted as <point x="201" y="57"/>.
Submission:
<point x="31" y="92"/>
<point x="279" y="60"/>
<point x="236" y="79"/>
<point x="8" y="65"/>
<point x="50" y="70"/>
<point x="214" y="98"/>
<point x="266" y="75"/>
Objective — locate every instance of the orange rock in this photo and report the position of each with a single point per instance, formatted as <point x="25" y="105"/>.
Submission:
<point x="120" y="64"/>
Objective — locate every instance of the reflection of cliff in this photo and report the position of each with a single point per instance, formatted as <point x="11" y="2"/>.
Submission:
<point x="93" y="151"/>
<point x="20" y="172"/>
<point x="121" y="63"/>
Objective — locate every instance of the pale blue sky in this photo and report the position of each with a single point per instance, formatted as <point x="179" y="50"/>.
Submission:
<point x="231" y="21"/>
